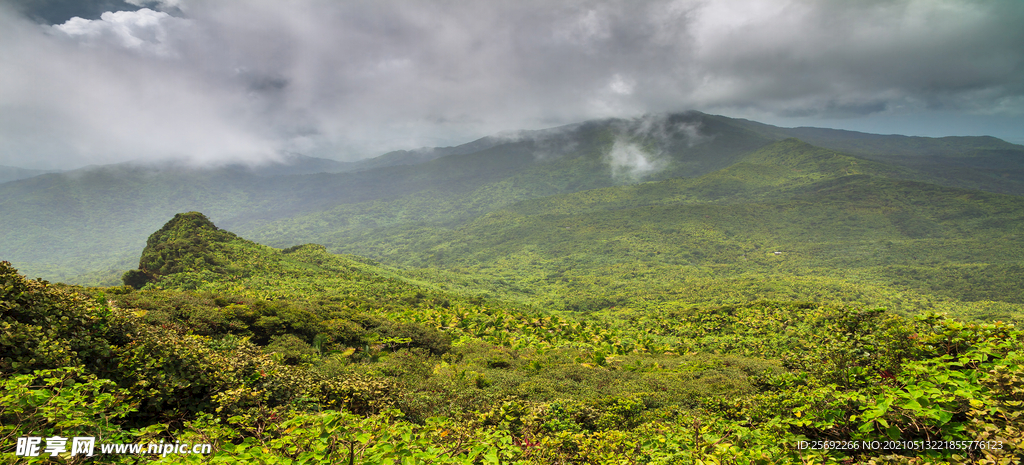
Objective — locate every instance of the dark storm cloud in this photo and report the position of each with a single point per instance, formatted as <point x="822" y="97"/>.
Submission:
<point x="58" y="11"/>
<point x="247" y="79"/>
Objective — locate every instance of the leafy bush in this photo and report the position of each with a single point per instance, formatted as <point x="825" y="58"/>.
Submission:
<point x="291" y="350"/>
<point x="45" y="327"/>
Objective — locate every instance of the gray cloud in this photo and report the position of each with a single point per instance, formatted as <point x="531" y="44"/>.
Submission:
<point x="228" y="80"/>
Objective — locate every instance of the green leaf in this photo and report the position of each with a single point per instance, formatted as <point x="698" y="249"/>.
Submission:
<point x="893" y="432"/>
<point x="913" y="404"/>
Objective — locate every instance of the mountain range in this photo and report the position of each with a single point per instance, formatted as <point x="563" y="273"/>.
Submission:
<point x="680" y="288"/>
<point x="632" y="210"/>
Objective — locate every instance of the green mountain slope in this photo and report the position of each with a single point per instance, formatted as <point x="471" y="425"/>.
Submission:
<point x="682" y="289"/>
<point x="13" y="173"/>
<point x="58" y="226"/>
<point x="191" y="254"/>
<point x="61" y="222"/>
<point x="984" y="163"/>
<point x="790" y="221"/>
<point x="287" y="356"/>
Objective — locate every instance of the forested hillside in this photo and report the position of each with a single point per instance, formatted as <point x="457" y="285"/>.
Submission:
<point x="679" y="288"/>
<point x="979" y="162"/>
<point x="58" y="226"/>
<point x="12" y="173"/>
<point x="789" y="221"/>
<point x="301" y="356"/>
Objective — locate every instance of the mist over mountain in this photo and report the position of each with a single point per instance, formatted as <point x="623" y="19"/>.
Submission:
<point x="59" y="225"/>
<point x="13" y="173"/>
<point x="106" y="81"/>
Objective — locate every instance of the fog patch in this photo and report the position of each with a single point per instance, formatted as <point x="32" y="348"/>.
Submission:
<point x="630" y="162"/>
<point x="645" y="146"/>
<point x="545" y="144"/>
<point x="693" y="135"/>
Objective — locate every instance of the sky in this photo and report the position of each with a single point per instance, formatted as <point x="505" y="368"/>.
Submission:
<point x="221" y="81"/>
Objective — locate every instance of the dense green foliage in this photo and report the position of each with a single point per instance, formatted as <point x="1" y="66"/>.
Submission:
<point x="300" y="356"/>
<point x="529" y="300"/>
<point x="188" y="243"/>
<point x="984" y="163"/>
<point x="789" y="221"/>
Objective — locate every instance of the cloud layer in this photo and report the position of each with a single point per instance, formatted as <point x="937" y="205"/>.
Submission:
<point x="228" y="80"/>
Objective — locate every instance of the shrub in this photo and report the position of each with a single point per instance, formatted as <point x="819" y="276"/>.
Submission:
<point x="291" y="350"/>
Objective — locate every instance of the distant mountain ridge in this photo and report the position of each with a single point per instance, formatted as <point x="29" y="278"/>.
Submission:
<point x="13" y="173"/>
<point x="977" y="162"/>
<point x="63" y="225"/>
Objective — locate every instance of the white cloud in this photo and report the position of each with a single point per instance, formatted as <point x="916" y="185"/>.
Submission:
<point x="642" y="145"/>
<point x="108" y="90"/>
<point x="227" y="79"/>
<point x="628" y="161"/>
<point x="143" y="30"/>
<point x="621" y="86"/>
